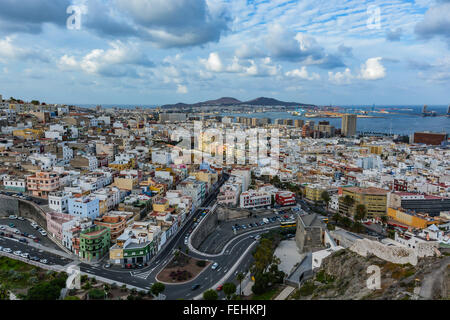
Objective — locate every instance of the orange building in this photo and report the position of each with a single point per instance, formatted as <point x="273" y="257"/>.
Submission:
<point x="115" y="223"/>
<point x="42" y="183"/>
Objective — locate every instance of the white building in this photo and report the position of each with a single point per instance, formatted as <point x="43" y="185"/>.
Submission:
<point x="59" y="202"/>
<point x="253" y="199"/>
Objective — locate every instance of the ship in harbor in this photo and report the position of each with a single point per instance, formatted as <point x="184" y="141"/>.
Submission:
<point x="448" y="111"/>
<point x="426" y="113"/>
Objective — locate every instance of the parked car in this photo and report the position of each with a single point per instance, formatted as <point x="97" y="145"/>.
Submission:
<point x="25" y="255"/>
<point x="34" y="258"/>
<point x="244" y="226"/>
<point x="7" y="250"/>
<point x="186" y="240"/>
<point x="16" y="231"/>
<point x="13" y="217"/>
<point x="219" y="288"/>
<point x="21" y="218"/>
<point x="2" y="227"/>
<point x="108" y="265"/>
<point x="23" y="240"/>
<point x="214" y="266"/>
<point x="139" y="266"/>
<point x="44" y="233"/>
<point x="44" y="261"/>
<point x="17" y="253"/>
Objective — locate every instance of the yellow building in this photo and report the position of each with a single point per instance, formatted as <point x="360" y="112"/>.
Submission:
<point x="125" y="183"/>
<point x="123" y="166"/>
<point x="28" y="133"/>
<point x="103" y="207"/>
<point x="207" y="177"/>
<point x="409" y="219"/>
<point x="161" y="205"/>
<point x="374" y="199"/>
<point x="313" y="192"/>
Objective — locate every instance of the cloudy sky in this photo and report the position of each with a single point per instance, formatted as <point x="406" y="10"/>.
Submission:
<point x="166" y="51"/>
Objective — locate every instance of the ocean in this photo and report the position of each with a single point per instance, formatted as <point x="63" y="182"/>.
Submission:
<point x="403" y="122"/>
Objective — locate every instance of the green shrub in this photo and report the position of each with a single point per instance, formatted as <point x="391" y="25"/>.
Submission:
<point x="201" y="263"/>
<point x="96" y="294"/>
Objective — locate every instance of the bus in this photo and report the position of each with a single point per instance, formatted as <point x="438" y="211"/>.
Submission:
<point x="325" y="220"/>
<point x="288" y="224"/>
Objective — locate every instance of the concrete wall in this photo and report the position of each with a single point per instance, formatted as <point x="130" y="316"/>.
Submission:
<point x="206" y="226"/>
<point x="8" y="206"/>
<point x="397" y="255"/>
<point x="13" y="206"/>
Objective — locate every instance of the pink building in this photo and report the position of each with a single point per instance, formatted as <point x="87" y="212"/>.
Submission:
<point x="55" y="223"/>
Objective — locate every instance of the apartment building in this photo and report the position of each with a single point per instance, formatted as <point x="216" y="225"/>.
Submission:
<point x="84" y="207"/>
<point x="43" y="183"/>
<point x="254" y="199"/>
<point x="374" y="199"/>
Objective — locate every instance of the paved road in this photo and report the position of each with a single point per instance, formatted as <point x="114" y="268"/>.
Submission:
<point x="144" y="278"/>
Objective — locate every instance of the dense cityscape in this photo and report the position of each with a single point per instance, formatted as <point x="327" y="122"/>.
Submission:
<point x="158" y="204"/>
<point x="224" y="158"/>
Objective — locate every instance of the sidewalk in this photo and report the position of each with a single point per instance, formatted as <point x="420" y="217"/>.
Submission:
<point x="285" y="293"/>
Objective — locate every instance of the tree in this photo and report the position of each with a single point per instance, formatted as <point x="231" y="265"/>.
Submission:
<point x="44" y="291"/>
<point x="210" y="295"/>
<point x="4" y="294"/>
<point x="96" y="294"/>
<point x="229" y="289"/>
<point x="158" y="288"/>
<point x="336" y="217"/>
<point x="360" y="212"/>
<point x="325" y="197"/>
<point x="348" y="201"/>
<point x="240" y="276"/>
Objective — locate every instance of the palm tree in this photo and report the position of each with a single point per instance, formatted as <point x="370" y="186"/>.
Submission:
<point x="326" y="198"/>
<point x="360" y="212"/>
<point x="240" y="276"/>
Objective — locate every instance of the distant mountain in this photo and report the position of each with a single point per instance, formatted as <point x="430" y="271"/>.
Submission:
<point x="228" y="101"/>
<point x="262" y="101"/>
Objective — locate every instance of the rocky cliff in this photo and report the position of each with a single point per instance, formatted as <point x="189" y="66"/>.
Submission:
<point x="343" y="276"/>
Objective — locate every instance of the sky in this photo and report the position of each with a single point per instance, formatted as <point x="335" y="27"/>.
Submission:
<point x="154" y="52"/>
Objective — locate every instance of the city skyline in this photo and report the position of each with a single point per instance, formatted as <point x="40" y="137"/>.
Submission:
<point x="152" y="52"/>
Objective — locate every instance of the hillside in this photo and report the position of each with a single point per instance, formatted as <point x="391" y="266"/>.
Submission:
<point x="229" y="101"/>
<point x="343" y="276"/>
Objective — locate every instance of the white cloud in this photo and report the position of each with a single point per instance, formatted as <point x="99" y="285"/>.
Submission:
<point x="302" y="74"/>
<point x="373" y="69"/>
<point x="213" y="63"/>
<point x="10" y="52"/>
<point x="182" y="89"/>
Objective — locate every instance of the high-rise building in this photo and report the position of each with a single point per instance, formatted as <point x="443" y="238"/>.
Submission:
<point x="349" y="125"/>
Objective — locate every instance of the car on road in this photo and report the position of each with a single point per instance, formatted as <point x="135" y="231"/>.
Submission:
<point x="195" y="287"/>
<point x="139" y="265"/>
<point x="129" y="266"/>
<point x="108" y="265"/>
<point x="43" y="232"/>
<point x="13" y="217"/>
<point x="21" y="218"/>
<point x="16" y="231"/>
<point x="23" y="240"/>
<point x="214" y="266"/>
<point x="195" y="219"/>
<point x="2" y="228"/>
<point x="186" y="240"/>
<point x="219" y="288"/>
<point x="7" y="250"/>
<point x="44" y="261"/>
<point x="25" y="234"/>
<point x="257" y="237"/>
